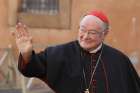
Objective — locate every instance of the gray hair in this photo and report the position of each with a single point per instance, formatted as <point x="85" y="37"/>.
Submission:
<point x="104" y="25"/>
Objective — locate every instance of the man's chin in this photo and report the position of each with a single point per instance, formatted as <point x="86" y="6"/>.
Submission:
<point x="87" y="48"/>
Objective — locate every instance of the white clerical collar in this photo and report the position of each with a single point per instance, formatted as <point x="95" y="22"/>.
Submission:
<point x="97" y="49"/>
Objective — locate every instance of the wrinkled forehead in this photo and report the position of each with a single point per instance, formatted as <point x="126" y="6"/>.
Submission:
<point x="92" y="20"/>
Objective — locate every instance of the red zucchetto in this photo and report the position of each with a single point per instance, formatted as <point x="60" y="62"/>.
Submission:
<point x="100" y="15"/>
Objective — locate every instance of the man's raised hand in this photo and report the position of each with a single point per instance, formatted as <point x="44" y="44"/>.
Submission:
<point x="23" y="40"/>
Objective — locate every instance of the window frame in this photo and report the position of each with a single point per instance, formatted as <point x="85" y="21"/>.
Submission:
<point x="62" y="20"/>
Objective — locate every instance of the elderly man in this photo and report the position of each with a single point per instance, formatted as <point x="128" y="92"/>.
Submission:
<point x="86" y="65"/>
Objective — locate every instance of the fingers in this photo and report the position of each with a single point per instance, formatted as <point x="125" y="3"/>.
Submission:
<point x="21" y="30"/>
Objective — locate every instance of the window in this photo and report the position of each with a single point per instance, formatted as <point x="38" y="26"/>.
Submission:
<point x="42" y="13"/>
<point x="43" y="7"/>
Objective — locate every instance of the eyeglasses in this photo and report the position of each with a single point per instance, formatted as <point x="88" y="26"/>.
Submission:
<point x="91" y="32"/>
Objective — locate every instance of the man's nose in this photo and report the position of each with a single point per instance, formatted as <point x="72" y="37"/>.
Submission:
<point x="86" y="35"/>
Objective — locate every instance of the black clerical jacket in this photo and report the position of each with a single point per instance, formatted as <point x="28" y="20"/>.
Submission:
<point x="60" y="67"/>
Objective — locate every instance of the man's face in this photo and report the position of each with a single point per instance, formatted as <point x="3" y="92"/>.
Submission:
<point x="91" y="33"/>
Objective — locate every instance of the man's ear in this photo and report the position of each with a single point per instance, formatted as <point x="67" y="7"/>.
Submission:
<point x="106" y="32"/>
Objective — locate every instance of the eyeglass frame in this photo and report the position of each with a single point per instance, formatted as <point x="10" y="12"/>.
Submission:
<point x="91" y="32"/>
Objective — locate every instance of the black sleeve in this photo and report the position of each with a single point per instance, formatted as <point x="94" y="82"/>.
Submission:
<point x="135" y="79"/>
<point x="47" y="64"/>
<point x="36" y="67"/>
<point x="132" y="79"/>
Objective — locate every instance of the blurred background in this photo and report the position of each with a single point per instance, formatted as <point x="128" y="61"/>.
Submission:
<point x="53" y="22"/>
